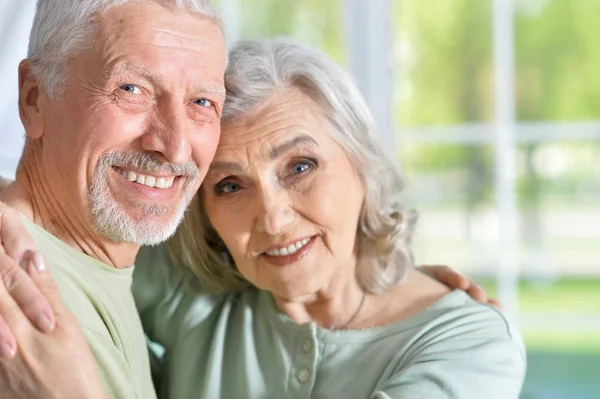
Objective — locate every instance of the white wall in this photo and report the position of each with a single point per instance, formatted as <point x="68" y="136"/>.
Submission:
<point x="15" y="22"/>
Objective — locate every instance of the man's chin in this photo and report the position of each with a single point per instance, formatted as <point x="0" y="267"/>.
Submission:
<point x="147" y="226"/>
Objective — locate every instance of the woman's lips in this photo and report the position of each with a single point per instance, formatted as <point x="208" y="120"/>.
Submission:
<point x="279" y="257"/>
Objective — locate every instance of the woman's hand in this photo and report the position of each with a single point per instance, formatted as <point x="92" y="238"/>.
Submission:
<point x="58" y="364"/>
<point x="43" y="352"/>
<point x="453" y="279"/>
<point x="19" y="248"/>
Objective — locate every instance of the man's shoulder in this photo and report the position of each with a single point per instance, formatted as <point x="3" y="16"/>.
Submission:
<point x="52" y="247"/>
<point x="87" y="294"/>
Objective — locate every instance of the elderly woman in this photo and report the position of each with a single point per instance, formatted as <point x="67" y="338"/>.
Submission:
<point x="292" y="275"/>
<point x="299" y="233"/>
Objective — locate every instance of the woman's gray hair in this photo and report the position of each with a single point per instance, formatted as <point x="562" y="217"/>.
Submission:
<point x="256" y="71"/>
<point x="63" y="28"/>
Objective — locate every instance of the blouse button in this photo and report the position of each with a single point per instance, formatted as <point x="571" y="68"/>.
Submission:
<point x="303" y="375"/>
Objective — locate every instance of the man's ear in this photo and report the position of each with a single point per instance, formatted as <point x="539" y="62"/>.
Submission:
<point x="30" y="108"/>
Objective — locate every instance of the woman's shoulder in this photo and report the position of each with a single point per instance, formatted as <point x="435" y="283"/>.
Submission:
<point x="471" y="336"/>
<point x="459" y="348"/>
<point x="460" y="314"/>
<point x="451" y="322"/>
<point x="432" y="304"/>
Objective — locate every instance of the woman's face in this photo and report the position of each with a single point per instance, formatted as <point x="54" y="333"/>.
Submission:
<point x="285" y="198"/>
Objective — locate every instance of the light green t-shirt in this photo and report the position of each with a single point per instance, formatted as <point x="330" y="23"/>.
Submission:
<point x="100" y="297"/>
<point x="241" y="346"/>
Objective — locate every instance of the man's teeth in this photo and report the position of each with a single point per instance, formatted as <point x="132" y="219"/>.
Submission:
<point x="290" y="249"/>
<point x="150" y="181"/>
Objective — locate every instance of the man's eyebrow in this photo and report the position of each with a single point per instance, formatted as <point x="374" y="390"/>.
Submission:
<point x="291" y="143"/>
<point x="138" y="70"/>
<point x="209" y="89"/>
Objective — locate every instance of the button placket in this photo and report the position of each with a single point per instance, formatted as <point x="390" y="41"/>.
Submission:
<point x="307" y="345"/>
<point x="304" y="364"/>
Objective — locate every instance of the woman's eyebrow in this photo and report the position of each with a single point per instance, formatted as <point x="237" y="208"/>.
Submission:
<point x="291" y="143"/>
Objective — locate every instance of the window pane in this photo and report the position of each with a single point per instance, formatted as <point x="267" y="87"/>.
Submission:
<point x="557" y="59"/>
<point x="442" y="61"/>
<point x="559" y="193"/>
<point x="313" y="22"/>
<point x="451" y="187"/>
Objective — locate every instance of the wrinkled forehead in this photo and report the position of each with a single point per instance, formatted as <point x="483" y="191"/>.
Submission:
<point x="140" y="24"/>
<point x="169" y="47"/>
<point x="282" y="117"/>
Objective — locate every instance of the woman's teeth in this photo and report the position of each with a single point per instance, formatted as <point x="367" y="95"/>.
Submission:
<point x="290" y="249"/>
<point x="149" y="181"/>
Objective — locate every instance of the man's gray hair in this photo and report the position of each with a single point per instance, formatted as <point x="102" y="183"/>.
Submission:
<point x="256" y="71"/>
<point x="63" y="28"/>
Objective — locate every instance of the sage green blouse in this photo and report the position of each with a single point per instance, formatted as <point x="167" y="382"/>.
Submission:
<point x="240" y="346"/>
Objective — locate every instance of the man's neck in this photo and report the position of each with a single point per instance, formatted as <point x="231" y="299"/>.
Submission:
<point x="31" y="195"/>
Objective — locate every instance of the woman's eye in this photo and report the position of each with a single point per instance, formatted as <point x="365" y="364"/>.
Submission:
<point x="301" y="167"/>
<point x="227" y="188"/>
<point x="130" y="88"/>
<point x="204" y="102"/>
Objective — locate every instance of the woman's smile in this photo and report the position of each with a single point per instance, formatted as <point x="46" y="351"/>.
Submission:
<point x="292" y="253"/>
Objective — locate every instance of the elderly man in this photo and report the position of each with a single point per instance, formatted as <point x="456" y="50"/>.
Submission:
<point x="121" y="102"/>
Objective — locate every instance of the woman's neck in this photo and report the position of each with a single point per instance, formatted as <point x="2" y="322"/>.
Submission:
<point x="348" y="306"/>
<point x="337" y="306"/>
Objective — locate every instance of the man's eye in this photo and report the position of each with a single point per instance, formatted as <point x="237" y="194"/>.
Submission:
<point x="129" y="88"/>
<point x="227" y="188"/>
<point x="204" y="102"/>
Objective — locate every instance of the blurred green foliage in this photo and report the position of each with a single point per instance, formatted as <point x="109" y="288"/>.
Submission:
<point x="444" y="50"/>
<point x="315" y="22"/>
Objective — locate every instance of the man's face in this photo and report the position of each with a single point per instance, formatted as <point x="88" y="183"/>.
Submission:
<point x="133" y="133"/>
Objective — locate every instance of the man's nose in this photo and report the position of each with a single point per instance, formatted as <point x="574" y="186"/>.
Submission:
<point x="168" y="134"/>
<point x="277" y="212"/>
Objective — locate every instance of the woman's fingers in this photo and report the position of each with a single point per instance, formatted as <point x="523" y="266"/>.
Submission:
<point x="14" y="238"/>
<point x="29" y="291"/>
<point x="16" y="242"/>
<point x="447" y="276"/>
<point x="477" y="292"/>
<point x="495" y="303"/>
<point x="8" y="343"/>
<point x="42" y="278"/>
<point x="12" y="317"/>
<point x="453" y="279"/>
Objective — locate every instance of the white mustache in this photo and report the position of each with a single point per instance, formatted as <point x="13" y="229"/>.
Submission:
<point x="146" y="162"/>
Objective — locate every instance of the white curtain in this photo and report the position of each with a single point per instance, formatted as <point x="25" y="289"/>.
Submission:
<point x="16" y="17"/>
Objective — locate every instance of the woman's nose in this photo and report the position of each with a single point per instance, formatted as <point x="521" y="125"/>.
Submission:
<point x="278" y="215"/>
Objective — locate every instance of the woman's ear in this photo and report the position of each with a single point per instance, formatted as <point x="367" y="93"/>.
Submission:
<point x="30" y="108"/>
